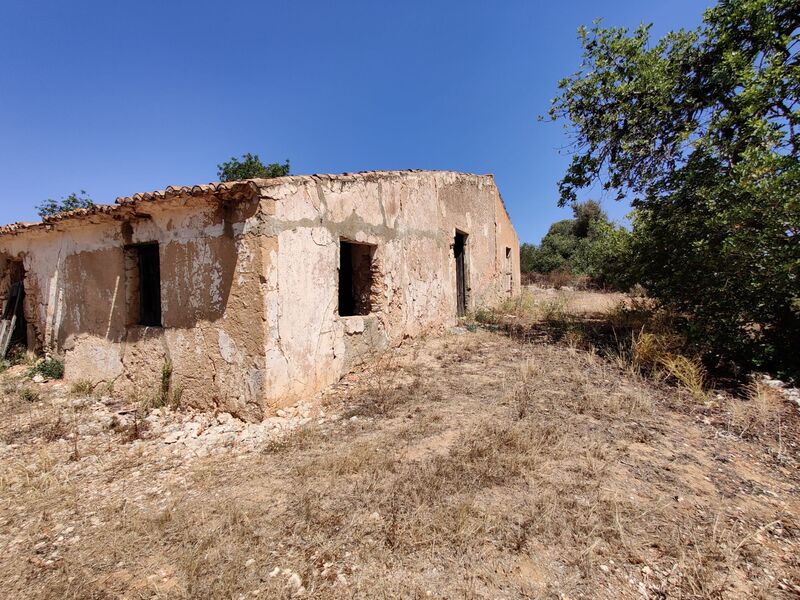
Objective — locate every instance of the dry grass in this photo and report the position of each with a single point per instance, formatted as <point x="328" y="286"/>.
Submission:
<point x="536" y="304"/>
<point x="758" y="414"/>
<point x="629" y="331"/>
<point x="475" y="467"/>
<point x="81" y="387"/>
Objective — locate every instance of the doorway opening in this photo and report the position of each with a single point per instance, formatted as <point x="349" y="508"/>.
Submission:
<point x="460" y="251"/>
<point x="509" y="267"/>
<point x="14" y="327"/>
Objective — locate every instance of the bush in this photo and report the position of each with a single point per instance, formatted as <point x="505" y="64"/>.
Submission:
<point x="49" y="368"/>
<point x="588" y="246"/>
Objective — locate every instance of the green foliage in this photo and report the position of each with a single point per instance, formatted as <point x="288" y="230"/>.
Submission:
<point x="51" y="207"/>
<point x="586" y="214"/>
<point x="250" y="167"/>
<point x="701" y="130"/>
<point x="49" y="368"/>
<point x="609" y="257"/>
<point x="589" y="244"/>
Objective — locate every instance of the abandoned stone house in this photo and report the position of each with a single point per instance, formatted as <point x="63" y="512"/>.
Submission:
<point x="258" y="293"/>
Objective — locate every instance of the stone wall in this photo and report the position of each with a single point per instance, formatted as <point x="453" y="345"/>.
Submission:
<point x="249" y="288"/>
<point x="211" y="297"/>
<point x="411" y="219"/>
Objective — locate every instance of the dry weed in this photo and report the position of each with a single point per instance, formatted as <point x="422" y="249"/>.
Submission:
<point x="758" y="414"/>
<point x="689" y="373"/>
<point x="81" y="387"/>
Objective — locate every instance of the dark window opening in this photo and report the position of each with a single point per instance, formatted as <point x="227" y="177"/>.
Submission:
<point x="143" y="272"/>
<point x="14" y="328"/>
<point x="460" y="251"/>
<point x="355" y="278"/>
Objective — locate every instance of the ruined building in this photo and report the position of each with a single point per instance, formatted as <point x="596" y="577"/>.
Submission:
<point x="256" y="293"/>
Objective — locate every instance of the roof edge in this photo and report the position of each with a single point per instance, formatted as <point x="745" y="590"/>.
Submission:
<point x="244" y="189"/>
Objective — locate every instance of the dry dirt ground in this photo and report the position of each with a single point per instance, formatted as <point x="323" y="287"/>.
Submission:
<point x="469" y="465"/>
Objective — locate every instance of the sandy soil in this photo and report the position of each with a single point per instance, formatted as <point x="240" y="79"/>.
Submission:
<point x="470" y="465"/>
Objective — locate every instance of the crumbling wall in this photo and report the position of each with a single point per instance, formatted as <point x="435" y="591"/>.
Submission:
<point x="249" y="296"/>
<point x="211" y="285"/>
<point x="508" y="270"/>
<point x="411" y="219"/>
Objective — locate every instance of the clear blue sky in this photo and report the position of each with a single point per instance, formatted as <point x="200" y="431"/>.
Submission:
<point x="117" y="97"/>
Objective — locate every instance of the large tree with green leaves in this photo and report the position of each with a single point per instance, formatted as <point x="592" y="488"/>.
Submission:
<point x="701" y="130"/>
<point x="588" y="244"/>
<point x="250" y="167"/>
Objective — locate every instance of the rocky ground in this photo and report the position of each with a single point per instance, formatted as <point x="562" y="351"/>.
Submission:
<point x="470" y="465"/>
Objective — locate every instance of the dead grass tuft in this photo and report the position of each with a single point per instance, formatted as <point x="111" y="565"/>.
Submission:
<point x="81" y="387"/>
<point x="27" y="394"/>
<point x="689" y="373"/>
<point x="758" y="414"/>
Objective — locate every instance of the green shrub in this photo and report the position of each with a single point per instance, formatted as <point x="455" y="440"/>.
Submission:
<point x="483" y="315"/>
<point x="49" y="368"/>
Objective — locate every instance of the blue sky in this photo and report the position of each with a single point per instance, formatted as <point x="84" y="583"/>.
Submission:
<point x="122" y="97"/>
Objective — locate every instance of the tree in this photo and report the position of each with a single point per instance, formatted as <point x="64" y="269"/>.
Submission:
<point x="701" y="130"/>
<point x="609" y="258"/>
<point x="567" y="244"/>
<point x="51" y="207"/>
<point x="250" y="167"/>
<point x="586" y="213"/>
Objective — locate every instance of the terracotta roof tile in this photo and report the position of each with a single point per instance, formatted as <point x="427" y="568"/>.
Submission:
<point x="233" y="190"/>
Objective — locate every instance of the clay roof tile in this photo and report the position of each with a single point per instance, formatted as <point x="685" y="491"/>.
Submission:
<point x="231" y="190"/>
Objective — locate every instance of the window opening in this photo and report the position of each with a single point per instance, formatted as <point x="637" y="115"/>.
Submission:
<point x="355" y="278"/>
<point x="143" y="271"/>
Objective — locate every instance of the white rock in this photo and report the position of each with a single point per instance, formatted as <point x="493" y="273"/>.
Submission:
<point x="295" y="581"/>
<point x="173" y="437"/>
<point x="192" y="428"/>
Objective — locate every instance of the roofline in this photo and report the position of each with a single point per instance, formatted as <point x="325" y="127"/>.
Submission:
<point x="246" y="189"/>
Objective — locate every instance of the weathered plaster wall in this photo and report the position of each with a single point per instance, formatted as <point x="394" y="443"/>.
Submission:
<point x="411" y="218"/>
<point x="249" y="288"/>
<point x="211" y="295"/>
